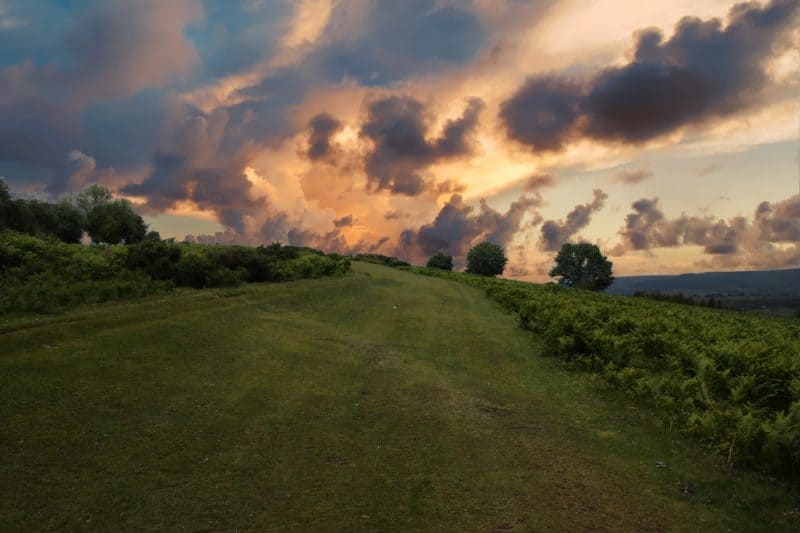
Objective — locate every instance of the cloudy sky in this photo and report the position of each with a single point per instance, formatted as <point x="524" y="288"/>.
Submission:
<point x="667" y="132"/>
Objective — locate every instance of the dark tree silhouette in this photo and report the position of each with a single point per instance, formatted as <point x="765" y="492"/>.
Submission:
<point x="486" y="259"/>
<point x="582" y="265"/>
<point x="441" y="261"/>
<point x="109" y="220"/>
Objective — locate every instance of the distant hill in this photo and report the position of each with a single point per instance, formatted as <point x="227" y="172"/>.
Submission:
<point x="750" y="283"/>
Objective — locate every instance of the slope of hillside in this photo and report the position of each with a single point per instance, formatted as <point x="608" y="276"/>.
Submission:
<point x="377" y="401"/>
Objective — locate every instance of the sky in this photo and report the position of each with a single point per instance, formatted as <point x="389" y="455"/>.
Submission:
<point x="666" y="132"/>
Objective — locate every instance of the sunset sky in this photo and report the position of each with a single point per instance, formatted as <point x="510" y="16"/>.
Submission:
<point x="667" y="132"/>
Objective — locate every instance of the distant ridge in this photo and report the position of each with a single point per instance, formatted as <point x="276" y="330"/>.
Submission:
<point x="748" y="283"/>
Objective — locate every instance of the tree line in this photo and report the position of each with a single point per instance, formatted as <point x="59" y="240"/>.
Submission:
<point x="94" y="211"/>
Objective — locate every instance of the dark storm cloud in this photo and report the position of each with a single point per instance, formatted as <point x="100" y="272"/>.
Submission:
<point x="397" y="127"/>
<point x="557" y="232"/>
<point x="542" y="113"/>
<point x="194" y="164"/>
<point x="105" y="52"/>
<point x="455" y="138"/>
<point x="704" y="71"/>
<point x="458" y="225"/>
<point x="264" y="114"/>
<point x="321" y="128"/>
<point x="647" y="227"/>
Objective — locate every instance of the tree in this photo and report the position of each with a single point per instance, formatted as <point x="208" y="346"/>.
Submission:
<point x="5" y="206"/>
<point x="115" y="222"/>
<point x="70" y="221"/>
<point x="486" y="259"/>
<point x="582" y="265"/>
<point x="92" y="197"/>
<point x="109" y="220"/>
<point x="5" y="196"/>
<point x="441" y="261"/>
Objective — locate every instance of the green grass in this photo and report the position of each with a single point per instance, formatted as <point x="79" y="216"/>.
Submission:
<point x="377" y="401"/>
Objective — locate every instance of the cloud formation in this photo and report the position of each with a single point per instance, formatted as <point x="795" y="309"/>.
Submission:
<point x="459" y="225"/>
<point x="397" y="127"/>
<point x="538" y="181"/>
<point x="344" y="221"/>
<point x="703" y="72"/>
<point x="558" y="232"/>
<point x="193" y="163"/>
<point x="382" y="41"/>
<point x="770" y="240"/>
<point x="321" y="128"/>
<point x="633" y="176"/>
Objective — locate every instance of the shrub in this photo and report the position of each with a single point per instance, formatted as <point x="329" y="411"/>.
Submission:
<point x="441" y="261"/>
<point x="379" y="259"/>
<point x="193" y="270"/>
<point x="486" y="259"/>
<point x="41" y="274"/>
<point x="224" y="277"/>
<point x="156" y="258"/>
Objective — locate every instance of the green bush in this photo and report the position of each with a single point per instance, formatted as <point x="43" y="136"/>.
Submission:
<point x="41" y="274"/>
<point x="44" y="275"/>
<point x="158" y="259"/>
<point x="224" y="277"/>
<point x="379" y="259"/>
<point x="441" y="261"/>
<point x="193" y="270"/>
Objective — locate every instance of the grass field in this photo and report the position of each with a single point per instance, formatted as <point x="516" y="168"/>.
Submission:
<point x="376" y="401"/>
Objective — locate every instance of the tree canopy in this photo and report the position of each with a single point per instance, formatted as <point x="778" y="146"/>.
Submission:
<point x="441" y="261"/>
<point x="582" y="265"/>
<point x="94" y="210"/>
<point x="486" y="259"/>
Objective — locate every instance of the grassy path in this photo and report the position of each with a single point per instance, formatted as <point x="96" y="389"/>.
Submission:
<point x="379" y="401"/>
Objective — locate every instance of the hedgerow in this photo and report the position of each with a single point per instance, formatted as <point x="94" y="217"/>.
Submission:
<point x="43" y="275"/>
<point x="728" y="378"/>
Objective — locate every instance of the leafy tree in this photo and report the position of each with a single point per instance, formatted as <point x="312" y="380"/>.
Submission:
<point x="5" y="206"/>
<point x="115" y="222"/>
<point x="70" y="221"/>
<point x="582" y="265"/>
<point x="93" y="197"/>
<point x="34" y="217"/>
<point x="486" y="259"/>
<point x="109" y="220"/>
<point x="441" y="261"/>
<point x="5" y="196"/>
